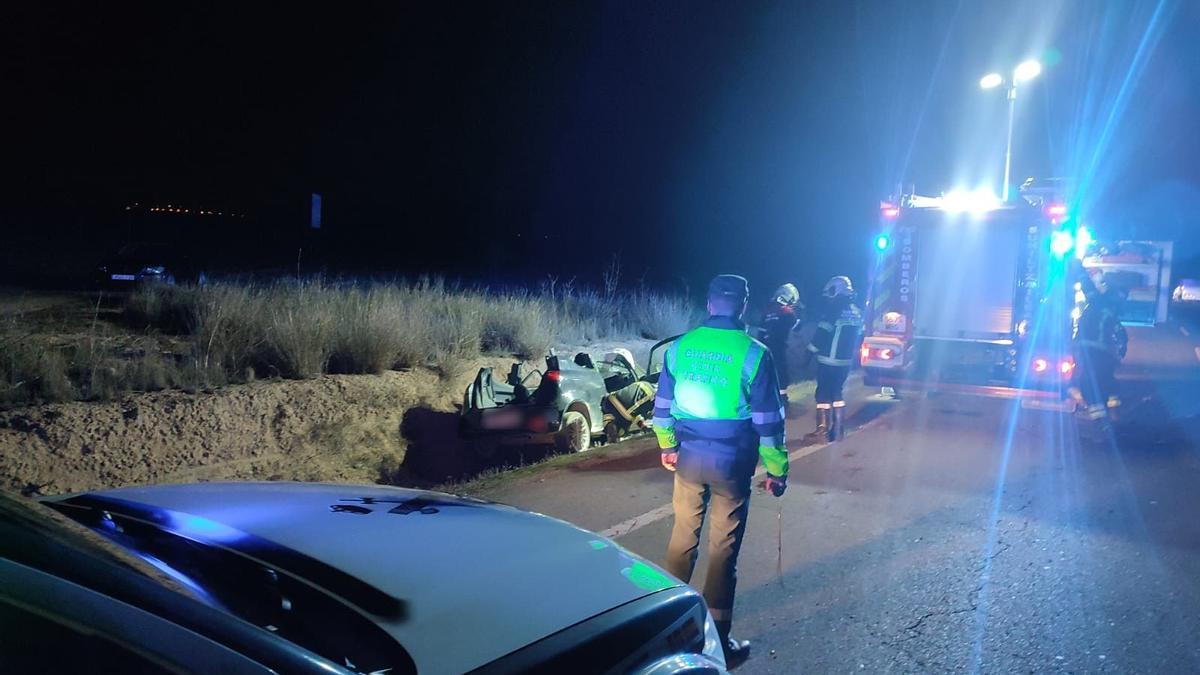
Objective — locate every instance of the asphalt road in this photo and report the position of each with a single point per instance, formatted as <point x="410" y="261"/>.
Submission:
<point x="955" y="533"/>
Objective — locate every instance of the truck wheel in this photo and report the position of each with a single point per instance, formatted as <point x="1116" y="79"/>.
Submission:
<point x="574" y="434"/>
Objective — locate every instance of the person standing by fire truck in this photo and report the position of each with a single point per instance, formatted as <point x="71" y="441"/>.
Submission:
<point x="1096" y="348"/>
<point x="780" y="319"/>
<point x="839" y="330"/>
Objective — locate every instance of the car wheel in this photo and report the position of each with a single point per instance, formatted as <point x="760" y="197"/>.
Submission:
<point x="574" y="434"/>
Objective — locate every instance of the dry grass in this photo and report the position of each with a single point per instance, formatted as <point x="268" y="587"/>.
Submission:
<point x="302" y="329"/>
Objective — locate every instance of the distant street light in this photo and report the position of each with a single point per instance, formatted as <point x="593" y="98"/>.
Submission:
<point x="1024" y="72"/>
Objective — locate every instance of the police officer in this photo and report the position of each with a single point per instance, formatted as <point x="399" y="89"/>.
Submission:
<point x="839" y="330"/>
<point x="1097" y="349"/>
<point x="716" y="412"/>
<point x="779" y="320"/>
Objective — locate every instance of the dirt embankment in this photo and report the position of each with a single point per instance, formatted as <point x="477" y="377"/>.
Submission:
<point x="398" y="428"/>
<point x="333" y="428"/>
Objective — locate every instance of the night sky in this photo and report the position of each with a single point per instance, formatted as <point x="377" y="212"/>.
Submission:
<point x="508" y="141"/>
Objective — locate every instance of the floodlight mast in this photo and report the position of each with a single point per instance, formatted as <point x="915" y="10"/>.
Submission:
<point x="1024" y="72"/>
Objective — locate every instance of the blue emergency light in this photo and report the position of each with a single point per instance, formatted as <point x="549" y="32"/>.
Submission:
<point x="1061" y="243"/>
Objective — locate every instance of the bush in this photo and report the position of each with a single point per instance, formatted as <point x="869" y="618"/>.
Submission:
<point x="302" y="329"/>
<point x="32" y="373"/>
<point x="369" y="332"/>
<point x="518" y="324"/>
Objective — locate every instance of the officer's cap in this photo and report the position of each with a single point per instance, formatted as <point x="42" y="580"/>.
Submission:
<point x="729" y="286"/>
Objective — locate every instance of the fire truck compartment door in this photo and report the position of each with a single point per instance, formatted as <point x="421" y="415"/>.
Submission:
<point x="966" y="278"/>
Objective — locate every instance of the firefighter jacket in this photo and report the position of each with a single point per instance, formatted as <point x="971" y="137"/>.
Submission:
<point x="839" y="330"/>
<point x="718" y="403"/>
<point x="778" y="322"/>
<point x="1098" y="325"/>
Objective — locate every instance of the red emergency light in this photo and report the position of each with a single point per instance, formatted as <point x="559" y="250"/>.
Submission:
<point x="1056" y="210"/>
<point x="1040" y="365"/>
<point x="1066" y="366"/>
<point x="554" y="375"/>
<point x="889" y="211"/>
<point x="881" y="353"/>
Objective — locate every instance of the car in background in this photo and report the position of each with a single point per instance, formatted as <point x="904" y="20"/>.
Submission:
<point x="314" y="578"/>
<point x="1187" y="290"/>
<point x="147" y="263"/>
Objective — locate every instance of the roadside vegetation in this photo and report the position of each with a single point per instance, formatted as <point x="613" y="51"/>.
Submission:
<point x="194" y="337"/>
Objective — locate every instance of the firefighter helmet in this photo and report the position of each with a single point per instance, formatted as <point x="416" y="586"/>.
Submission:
<point x="838" y="286"/>
<point x="787" y="295"/>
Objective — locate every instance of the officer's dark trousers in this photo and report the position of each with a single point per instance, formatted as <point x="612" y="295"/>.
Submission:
<point x="728" y="505"/>
<point x="830" y="381"/>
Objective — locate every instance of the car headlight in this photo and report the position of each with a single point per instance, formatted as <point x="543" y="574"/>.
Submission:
<point x="713" y="648"/>
<point x="153" y="271"/>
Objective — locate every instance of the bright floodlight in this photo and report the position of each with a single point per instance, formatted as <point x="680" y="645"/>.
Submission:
<point x="991" y="81"/>
<point x="980" y="200"/>
<point x="1027" y="70"/>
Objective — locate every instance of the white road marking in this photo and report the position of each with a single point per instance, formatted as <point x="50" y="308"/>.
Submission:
<point x="638" y="522"/>
<point x="1184" y="331"/>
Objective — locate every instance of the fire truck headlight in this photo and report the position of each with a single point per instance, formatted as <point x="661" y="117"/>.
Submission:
<point x="1040" y="365"/>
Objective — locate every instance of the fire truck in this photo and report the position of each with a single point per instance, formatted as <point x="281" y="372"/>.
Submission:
<point x="969" y="293"/>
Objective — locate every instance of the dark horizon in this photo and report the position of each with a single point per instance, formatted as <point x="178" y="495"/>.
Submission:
<point x="687" y="140"/>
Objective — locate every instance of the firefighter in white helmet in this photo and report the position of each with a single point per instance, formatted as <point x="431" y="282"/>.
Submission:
<point x="780" y="318"/>
<point x="839" y="331"/>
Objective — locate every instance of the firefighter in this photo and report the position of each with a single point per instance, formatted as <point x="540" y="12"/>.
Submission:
<point x="717" y="411"/>
<point x="780" y="318"/>
<point x="839" y="330"/>
<point x="1097" y="348"/>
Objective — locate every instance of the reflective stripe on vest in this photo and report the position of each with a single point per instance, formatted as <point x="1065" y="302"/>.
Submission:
<point x="713" y="369"/>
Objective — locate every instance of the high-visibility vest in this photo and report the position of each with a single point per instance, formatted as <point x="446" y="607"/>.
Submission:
<point x="713" y="369"/>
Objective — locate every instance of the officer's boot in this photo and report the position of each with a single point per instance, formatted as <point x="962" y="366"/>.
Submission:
<point x="736" y="651"/>
<point x="821" y="433"/>
<point x="836" y="429"/>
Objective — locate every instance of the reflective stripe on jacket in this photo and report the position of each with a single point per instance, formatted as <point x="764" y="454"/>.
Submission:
<point x="838" y="334"/>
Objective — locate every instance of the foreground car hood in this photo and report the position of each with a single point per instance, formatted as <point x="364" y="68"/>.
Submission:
<point x="479" y="580"/>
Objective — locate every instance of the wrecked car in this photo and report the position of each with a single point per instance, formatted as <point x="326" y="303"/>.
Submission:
<point x="571" y="404"/>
